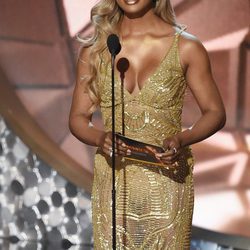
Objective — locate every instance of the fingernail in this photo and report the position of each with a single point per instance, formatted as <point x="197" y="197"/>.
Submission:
<point x="129" y="152"/>
<point x="159" y="155"/>
<point x="123" y="144"/>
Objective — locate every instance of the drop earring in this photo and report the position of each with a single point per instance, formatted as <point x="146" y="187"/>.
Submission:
<point x="154" y="2"/>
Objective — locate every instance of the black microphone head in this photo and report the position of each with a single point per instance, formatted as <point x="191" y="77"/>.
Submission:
<point x="66" y="244"/>
<point x="14" y="239"/>
<point x="114" y="45"/>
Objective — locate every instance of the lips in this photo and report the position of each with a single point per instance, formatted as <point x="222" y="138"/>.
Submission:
<point x="130" y="2"/>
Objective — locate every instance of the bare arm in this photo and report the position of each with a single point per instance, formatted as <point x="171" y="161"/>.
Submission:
<point x="199" y="77"/>
<point x="200" y="80"/>
<point x="80" y="116"/>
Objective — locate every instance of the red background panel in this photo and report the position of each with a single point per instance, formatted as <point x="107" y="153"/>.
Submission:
<point x="29" y="20"/>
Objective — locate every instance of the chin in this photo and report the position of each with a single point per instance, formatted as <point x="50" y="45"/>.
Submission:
<point x="131" y="7"/>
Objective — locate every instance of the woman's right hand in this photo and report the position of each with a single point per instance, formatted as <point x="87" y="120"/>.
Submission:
<point x="106" y="145"/>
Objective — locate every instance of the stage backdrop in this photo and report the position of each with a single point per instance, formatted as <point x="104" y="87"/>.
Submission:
<point x="38" y="50"/>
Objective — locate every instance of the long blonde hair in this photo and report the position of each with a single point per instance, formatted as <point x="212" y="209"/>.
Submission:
<point x="106" y="17"/>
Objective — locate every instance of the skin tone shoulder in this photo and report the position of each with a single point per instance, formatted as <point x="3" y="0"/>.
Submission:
<point x="197" y="69"/>
<point x="140" y="26"/>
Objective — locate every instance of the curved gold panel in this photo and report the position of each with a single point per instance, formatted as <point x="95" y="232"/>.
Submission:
<point x="33" y="136"/>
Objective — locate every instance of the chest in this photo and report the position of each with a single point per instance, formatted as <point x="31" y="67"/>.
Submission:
<point x="139" y="60"/>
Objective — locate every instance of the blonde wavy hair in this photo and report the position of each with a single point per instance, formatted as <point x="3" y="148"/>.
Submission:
<point x="106" y="16"/>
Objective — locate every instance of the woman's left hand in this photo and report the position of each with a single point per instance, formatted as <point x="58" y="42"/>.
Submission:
<point x="172" y="146"/>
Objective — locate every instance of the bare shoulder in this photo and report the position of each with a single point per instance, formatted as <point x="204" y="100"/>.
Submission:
<point x="192" y="50"/>
<point x="83" y="62"/>
<point x="190" y="42"/>
<point x="191" y="47"/>
<point x="83" y="54"/>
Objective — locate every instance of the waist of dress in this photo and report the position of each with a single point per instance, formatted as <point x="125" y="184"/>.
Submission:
<point x="176" y="107"/>
<point x="143" y="119"/>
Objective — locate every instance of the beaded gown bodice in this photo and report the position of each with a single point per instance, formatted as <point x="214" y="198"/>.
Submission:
<point x="155" y="112"/>
<point x="154" y="204"/>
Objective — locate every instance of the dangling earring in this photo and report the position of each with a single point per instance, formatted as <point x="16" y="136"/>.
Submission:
<point x="154" y="2"/>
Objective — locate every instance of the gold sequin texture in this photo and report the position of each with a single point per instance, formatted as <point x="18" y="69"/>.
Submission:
<point x="154" y="204"/>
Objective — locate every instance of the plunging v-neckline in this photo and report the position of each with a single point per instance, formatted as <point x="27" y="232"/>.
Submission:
<point x="154" y="72"/>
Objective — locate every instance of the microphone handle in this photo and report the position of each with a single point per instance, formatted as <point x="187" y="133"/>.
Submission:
<point x="113" y="157"/>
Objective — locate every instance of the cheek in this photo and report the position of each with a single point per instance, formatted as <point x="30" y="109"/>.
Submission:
<point x="121" y="4"/>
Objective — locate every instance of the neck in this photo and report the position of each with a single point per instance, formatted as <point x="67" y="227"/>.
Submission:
<point x="140" y="24"/>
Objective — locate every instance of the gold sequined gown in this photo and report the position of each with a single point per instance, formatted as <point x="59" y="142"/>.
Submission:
<point x="154" y="204"/>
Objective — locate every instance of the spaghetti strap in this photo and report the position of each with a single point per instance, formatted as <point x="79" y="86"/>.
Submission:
<point x="182" y="28"/>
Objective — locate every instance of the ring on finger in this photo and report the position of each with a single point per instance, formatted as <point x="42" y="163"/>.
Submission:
<point x="110" y="152"/>
<point x="176" y="164"/>
<point x="174" y="150"/>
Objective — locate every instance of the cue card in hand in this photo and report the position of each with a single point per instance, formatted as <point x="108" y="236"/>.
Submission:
<point x="141" y="151"/>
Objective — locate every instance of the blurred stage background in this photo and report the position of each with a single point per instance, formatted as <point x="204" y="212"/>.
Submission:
<point x="45" y="173"/>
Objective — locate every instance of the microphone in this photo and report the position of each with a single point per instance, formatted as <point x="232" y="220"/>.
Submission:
<point x="114" y="45"/>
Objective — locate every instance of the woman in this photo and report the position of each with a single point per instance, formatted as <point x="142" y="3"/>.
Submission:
<point x="154" y="204"/>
